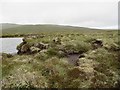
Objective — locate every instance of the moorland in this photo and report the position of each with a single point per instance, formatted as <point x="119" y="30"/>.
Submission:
<point x="55" y="56"/>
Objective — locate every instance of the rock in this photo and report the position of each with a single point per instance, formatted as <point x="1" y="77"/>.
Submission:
<point x="24" y="40"/>
<point x="41" y="45"/>
<point x="97" y="43"/>
<point x="43" y="51"/>
<point x="25" y="48"/>
<point x="32" y="36"/>
<point x="57" y="40"/>
<point x="81" y="55"/>
<point x="34" y="49"/>
<point x="21" y="44"/>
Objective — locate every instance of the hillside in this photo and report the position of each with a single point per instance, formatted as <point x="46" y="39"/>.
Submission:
<point x="7" y="25"/>
<point x="35" y="29"/>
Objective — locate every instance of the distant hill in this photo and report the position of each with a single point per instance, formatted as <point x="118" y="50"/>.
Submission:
<point x="28" y="29"/>
<point x="7" y="25"/>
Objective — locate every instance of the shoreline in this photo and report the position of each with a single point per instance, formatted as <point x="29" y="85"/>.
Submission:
<point x="10" y="36"/>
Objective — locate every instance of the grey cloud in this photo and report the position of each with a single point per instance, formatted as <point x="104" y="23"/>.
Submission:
<point x="91" y="14"/>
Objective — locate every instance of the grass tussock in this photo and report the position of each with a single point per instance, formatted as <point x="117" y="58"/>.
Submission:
<point x="50" y="68"/>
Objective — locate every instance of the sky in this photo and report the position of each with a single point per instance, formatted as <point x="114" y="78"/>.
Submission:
<point x="83" y="13"/>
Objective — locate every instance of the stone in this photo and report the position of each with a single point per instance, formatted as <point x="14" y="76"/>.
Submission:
<point x="57" y="40"/>
<point x="82" y="55"/>
<point x="20" y="45"/>
<point x="25" y="48"/>
<point x="97" y="43"/>
<point x="43" y="51"/>
<point x="34" y="49"/>
<point x="41" y="45"/>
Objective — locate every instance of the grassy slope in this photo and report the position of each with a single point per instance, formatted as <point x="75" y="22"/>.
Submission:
<point x="28" y="29"/>
<point x="7" y="25"/>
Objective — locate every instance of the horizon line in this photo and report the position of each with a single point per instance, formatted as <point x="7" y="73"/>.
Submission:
<point x="99" y="28"/>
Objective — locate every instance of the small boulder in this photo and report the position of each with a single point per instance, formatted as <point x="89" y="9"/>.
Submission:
<point x="25" y="48"/>
<point x="57" y="40"/>
<point x="41" y="45"/>
<point x="21" y="44"/>
<point x="43" y="51"/>
<point x="34" y="49"/>
<point x="97" y="43"/>
<point x="82" y="55"/>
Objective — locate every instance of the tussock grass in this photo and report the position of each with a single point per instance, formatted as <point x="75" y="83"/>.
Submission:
<point x="49" y="68"/>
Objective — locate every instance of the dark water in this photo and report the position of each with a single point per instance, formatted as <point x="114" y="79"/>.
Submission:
<point x="8" y="45"/>
<point x="73" y="58"/>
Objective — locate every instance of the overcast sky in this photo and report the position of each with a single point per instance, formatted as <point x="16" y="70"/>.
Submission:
<point x="83" y="13"/>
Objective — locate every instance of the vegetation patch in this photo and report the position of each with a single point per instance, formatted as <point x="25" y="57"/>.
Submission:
<point x="43" y="60"/>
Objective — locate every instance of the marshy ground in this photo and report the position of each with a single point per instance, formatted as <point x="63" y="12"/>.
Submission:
<point x="64" y="60"/>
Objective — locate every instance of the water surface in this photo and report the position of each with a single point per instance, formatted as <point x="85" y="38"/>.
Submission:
<point x="8" y="45"/>
<point x="73" y="59"/>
